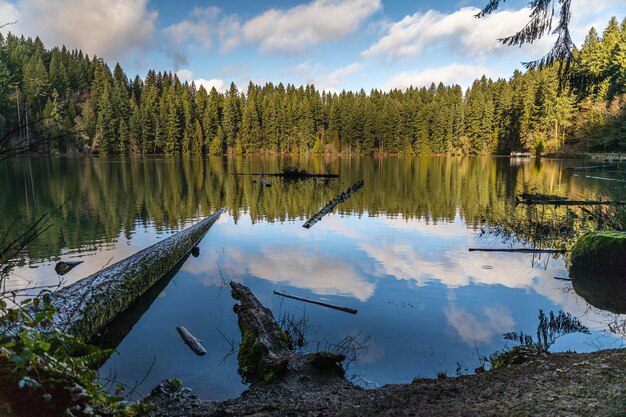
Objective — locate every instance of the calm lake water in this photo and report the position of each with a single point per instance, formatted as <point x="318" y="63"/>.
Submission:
<point x="397" y="251"/>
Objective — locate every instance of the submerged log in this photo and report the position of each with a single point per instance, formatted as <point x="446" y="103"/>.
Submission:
<point x="190" y="340"/>
<point x="320" y="303"/>
<point x="87" y="305"/>
<point x="332" y="204"/>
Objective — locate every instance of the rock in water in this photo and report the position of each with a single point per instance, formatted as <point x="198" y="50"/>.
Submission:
<point x="600" y="252"/>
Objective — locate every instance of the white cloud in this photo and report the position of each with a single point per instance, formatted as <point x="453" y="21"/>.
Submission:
<point x="184" y="75"/>
<point x="450" y="74"/>
<point x="459" y="30"/>
<point x="220" y="85"/>
<point x="314" y="73"/>
<point x="198" y="29"/>
<point x="472" y="329"/>
<point x="287" y="265"/>
<point x="299" y="28"/>
<point x="584" y="17"/>
<point x="187" y="75"/>
<point x="110" y="29"/>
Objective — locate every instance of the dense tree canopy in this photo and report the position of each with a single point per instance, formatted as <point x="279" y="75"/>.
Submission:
<point x="80" y="101"/>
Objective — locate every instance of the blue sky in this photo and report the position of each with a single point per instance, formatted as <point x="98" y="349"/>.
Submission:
<point x="335" y="44"/>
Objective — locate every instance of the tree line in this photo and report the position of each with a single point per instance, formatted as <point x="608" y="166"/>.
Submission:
<point x="58" y="99"/>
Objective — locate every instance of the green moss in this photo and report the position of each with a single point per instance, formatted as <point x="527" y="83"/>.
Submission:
<point x="286" y="339"/>
<point x="513" y="356"/>
<point x="600" y="252"/>
<point x="250" y="357"/>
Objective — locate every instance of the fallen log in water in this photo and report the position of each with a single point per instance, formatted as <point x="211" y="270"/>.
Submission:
<point x="190" y="340"/>
<point x="332" y="204"/>
<point x="87" y="305"/>
<point x="589" y="168"/>
<point x="521" y="250"/>
<point x="321" y="303"/>
<point x="603" y="178"/>
<point x="289" y="175"/>
<point x="572" y="202"/>
<point x="265" y="352"/>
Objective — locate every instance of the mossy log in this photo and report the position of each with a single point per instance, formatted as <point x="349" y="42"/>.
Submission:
<point x="603" y="251"/>
<point x="87" y="305"/>
<point x="265" y="353"/>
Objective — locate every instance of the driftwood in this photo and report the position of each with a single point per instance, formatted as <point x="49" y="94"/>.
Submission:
<point x="521" y="250"/>
<point x="332" y="204"/>
<point x="190" y="340"/>
<point x="265" y="352"/>
<point x="604" y="179"/>
<point x="589" y="168"/>
<point x="86" y="306"/>
<point x="321" y="303"/>
<point x="303" y="175"/>
<point x="556" y="200"/>
<point x="63" y="267"/>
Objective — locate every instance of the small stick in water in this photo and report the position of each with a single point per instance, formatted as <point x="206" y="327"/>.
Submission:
<point x="190" y="340"/>
<point x="321" y="303"/>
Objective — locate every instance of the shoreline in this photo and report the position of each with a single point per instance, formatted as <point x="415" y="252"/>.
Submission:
<point x="557" y="384"/>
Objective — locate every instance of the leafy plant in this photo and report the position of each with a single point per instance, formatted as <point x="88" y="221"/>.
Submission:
<point x="549" y="329"/>
<point x="51" y="372"/>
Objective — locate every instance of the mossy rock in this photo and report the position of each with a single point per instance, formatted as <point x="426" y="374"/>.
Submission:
<point x="603" y="252"/>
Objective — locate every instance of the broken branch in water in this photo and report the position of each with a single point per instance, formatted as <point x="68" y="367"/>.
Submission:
<point x="572" y="202"/>
<point x="521" y="250"/>
<point x="190" y="340"/>
<point x="603" y="178"/>
<point x="321" y="303"/>
<point x="562" y="279"/>
<point x="332" y="204"/>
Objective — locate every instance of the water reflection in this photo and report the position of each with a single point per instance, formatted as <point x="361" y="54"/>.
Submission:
<point x="397" y="251"/>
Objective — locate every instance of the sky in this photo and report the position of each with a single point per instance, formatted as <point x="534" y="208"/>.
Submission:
<point x="334" y="44"/>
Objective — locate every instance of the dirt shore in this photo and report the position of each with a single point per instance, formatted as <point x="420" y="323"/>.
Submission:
<point x="559" y="384"/>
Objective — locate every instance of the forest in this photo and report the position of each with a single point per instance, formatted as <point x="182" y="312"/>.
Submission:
<point x="59" y="100"/>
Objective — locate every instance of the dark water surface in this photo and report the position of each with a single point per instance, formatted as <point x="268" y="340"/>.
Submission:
<point x="397" y="251"/>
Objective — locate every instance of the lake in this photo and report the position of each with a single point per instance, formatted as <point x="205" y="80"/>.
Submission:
<point x="396" y="250"/>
